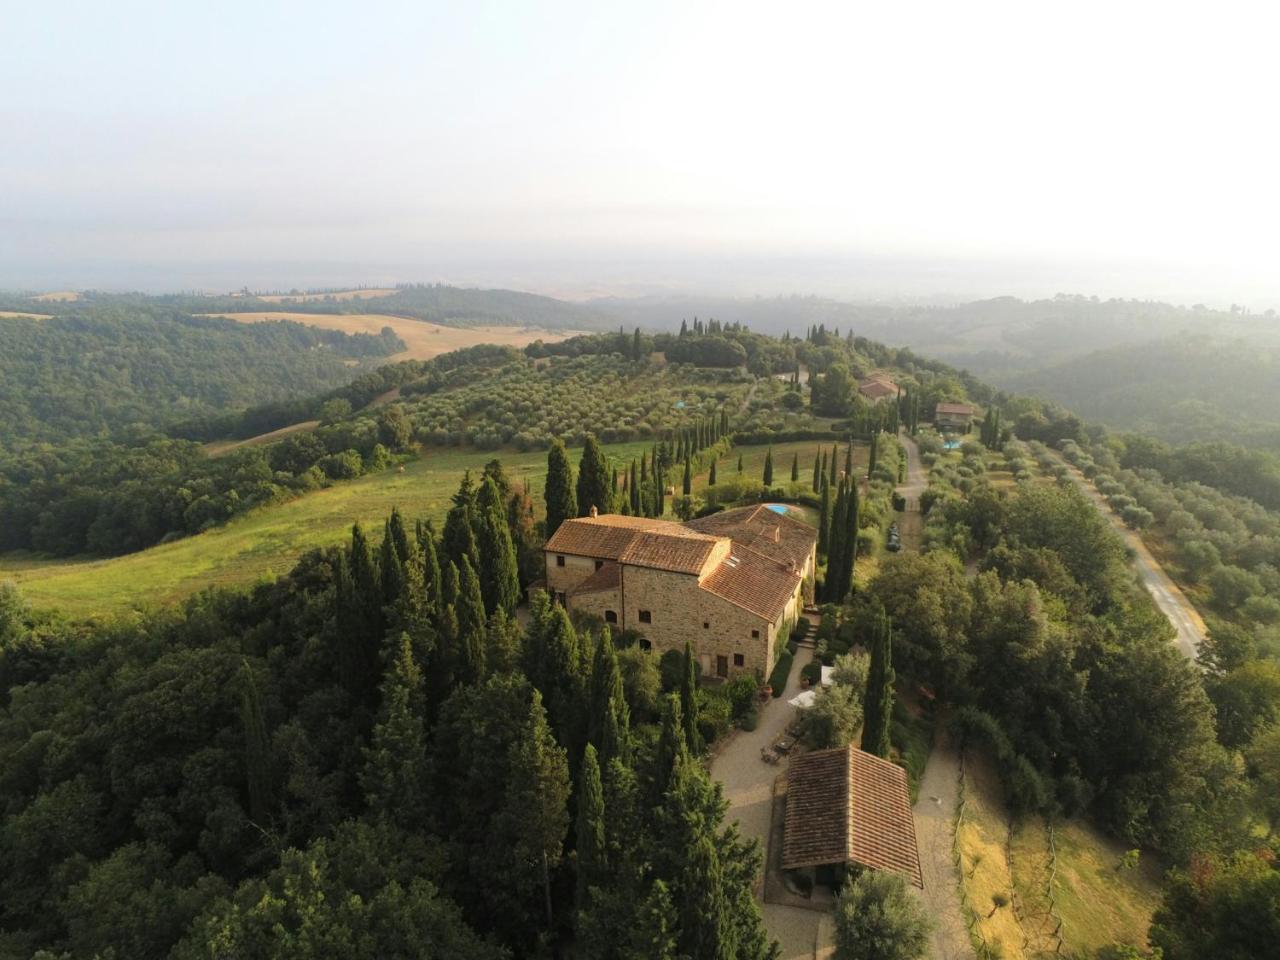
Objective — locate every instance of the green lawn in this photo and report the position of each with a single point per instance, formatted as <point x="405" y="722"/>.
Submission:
<point x="267" y="542"/>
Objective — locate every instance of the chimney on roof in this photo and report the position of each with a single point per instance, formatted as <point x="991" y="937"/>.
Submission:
<point x="594" y="512"/>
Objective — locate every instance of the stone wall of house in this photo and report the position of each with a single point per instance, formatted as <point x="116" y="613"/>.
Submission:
<point x="681" y="611"/>
<point x="599" y="603"/>
<point x="575" y="570"/>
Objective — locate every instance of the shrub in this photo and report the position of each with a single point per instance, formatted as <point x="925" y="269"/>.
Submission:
<point x="812" y="671"/>
<point x="742" y="692"/>
<point x="781" y="671"/>
<point x="715" y="715"/>
<point x="877" y="919"/>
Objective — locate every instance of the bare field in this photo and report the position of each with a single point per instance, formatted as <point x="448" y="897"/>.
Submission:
<point x="14" y="314"/>
<point x="423" y="340"/>
<point x="220" y="447"/>
<point x="335" y="295"/>
<point x="58" y="296"/>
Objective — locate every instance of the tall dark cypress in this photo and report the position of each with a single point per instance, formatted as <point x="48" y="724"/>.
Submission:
<point x="739" y="463"/>
<point x="390" y="566"/>
<point x="499" y="572"/>
<point x="689" y="702"/>
<point x="460" y="525"/>
<point x="817" y="472"/>
<point x="636" y="348"/>
<point x="367" y="596"/>
<point x="795" y="467"/>
<point x="768" y="467"/>
<point x="878" y="704"/>
<point x="471" y="625"/>
<point x="824" y="519"/>
<point x="257" y="747"/>
<point x="593" y="866"/>
<point x="432" y="577"/>
<point x="835" y="465"/>
<point x="686" y="485"/>
<point x="633" y="490"/>
<point x="711" y="480"/>
<point x="560" y="501"/>
<point x="593" y="479"/>
<point x="835" y="547"/>
<point x="875" y="451"/>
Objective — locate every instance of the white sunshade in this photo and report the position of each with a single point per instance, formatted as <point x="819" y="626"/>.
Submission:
<point x="803" y="700"/>
<point x="828" y="676"/>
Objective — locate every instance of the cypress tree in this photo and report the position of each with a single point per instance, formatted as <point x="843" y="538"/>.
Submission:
<point x="795" y="467"/>
<point x="739" y="463"/>
<point x="824" y="519"/>
<point x="636" y="349"/>
<point x="835" y="453"/>
<point x="593" y="479"/>
<point x="460" y="525"/>
<point x="499" y="574"/>
<point x="394" y="774"/>
<point x="471" y="625"/>
<point x="593" y="866"/>
<point x="707" y="930"/>
<point x="687" y="486"/>
<point x="672" y="748"/>
<point x="559" y="492"/>
<point x="878" y="711"/>
<point x="606" y="700"/>
<point x="835" y="548"/>
<point x="367" y="618"/>
<point x="432" y="577"/>
<point x="848" y="461"/>
<point x="724" y="422"/>
<point x="817" y="472"/>
<point x="711" y="480"/>
<point x="768" y="467"/>
<point x="689" y="702"/>
<point x="875" y="451"/>
<point x="391" y="567"/>
<point x="634" y="490"/>
<point x="257" y="747"/>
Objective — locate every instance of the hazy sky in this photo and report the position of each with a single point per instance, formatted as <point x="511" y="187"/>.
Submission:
<point x="1135" y="136"/>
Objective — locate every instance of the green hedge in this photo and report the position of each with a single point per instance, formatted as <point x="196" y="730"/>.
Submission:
<point x="781" y="671"/>
<point x="812" y="671"/>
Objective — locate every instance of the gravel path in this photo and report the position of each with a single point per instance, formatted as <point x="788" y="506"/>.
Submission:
<point x="933" y="812"/>
<point x="748" y="786"/>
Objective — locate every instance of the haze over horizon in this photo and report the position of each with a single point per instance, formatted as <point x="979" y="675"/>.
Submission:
<point x="846" y="150"/>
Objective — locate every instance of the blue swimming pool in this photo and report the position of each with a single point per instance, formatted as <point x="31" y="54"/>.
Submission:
<point x="778" y="507"/>
<point x="952" y="445"/>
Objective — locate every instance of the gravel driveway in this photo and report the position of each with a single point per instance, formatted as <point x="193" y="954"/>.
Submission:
<point x="748" y="786"/>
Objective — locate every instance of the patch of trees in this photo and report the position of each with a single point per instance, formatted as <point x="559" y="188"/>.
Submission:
<point x="108" y="499"/>
<point x="103" y="370"/>
<point x="366" y="755"/>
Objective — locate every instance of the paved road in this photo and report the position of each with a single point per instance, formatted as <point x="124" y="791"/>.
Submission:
<point x="748" y="786"/>
<point x="1173" y="603"/>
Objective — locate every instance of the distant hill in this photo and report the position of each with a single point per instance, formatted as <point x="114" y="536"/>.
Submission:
<point x="1179" y="388"/>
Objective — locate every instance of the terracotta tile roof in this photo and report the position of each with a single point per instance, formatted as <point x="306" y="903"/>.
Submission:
<point x="635" y="540"/>
<point x="775" y="535"/>
<point x="878" y="388"/>
<point x="960" y="409"/>
<point x="752" y="581"/>
<point x="606" y="578"/>
<point x="846" y="805"/>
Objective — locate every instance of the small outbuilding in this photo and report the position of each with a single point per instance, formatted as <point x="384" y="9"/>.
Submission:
<point x="845" y="806"/>
<point x="953" y="417"/>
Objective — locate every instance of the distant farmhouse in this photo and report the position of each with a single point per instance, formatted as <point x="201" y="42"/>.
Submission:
<point x="953" y="417"/>
<point x="730" y="584"/>
<point x="878" y="387"/>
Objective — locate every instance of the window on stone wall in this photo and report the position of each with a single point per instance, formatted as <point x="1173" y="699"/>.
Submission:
<point x="599" y="564"/>
<point x="705" y="625"/>
<point x="739" y="660"/>
<point x="611" y="616"/>
<point x="755" y="634"/>
<point x="646" y="616"/>
<point x="559" y="561"/>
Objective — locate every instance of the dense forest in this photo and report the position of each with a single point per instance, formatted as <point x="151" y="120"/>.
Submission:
<point x="367" y="758"/>
<point x="104" y="369"/>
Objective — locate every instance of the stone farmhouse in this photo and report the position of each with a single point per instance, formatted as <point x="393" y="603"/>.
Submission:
<point x="878" y="388"/>
<point x="953" y="417"/>
<point x="731" y="584"/>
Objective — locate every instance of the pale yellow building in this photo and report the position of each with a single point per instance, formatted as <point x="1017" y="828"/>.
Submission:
<point x="730" y="584"/>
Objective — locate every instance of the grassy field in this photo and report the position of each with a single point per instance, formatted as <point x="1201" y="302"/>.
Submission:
<point x="423" y="340"/>
<point x="58" y="296"/>
<point x="335" y="295"/>
<point x="1099" y="901"/>
<point x="13" y="314"/>
<point x="268" y="541"/>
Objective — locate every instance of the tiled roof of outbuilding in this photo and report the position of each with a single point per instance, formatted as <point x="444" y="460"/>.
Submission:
<point x="753" y="582"/>
<point x="846" y="805"/>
